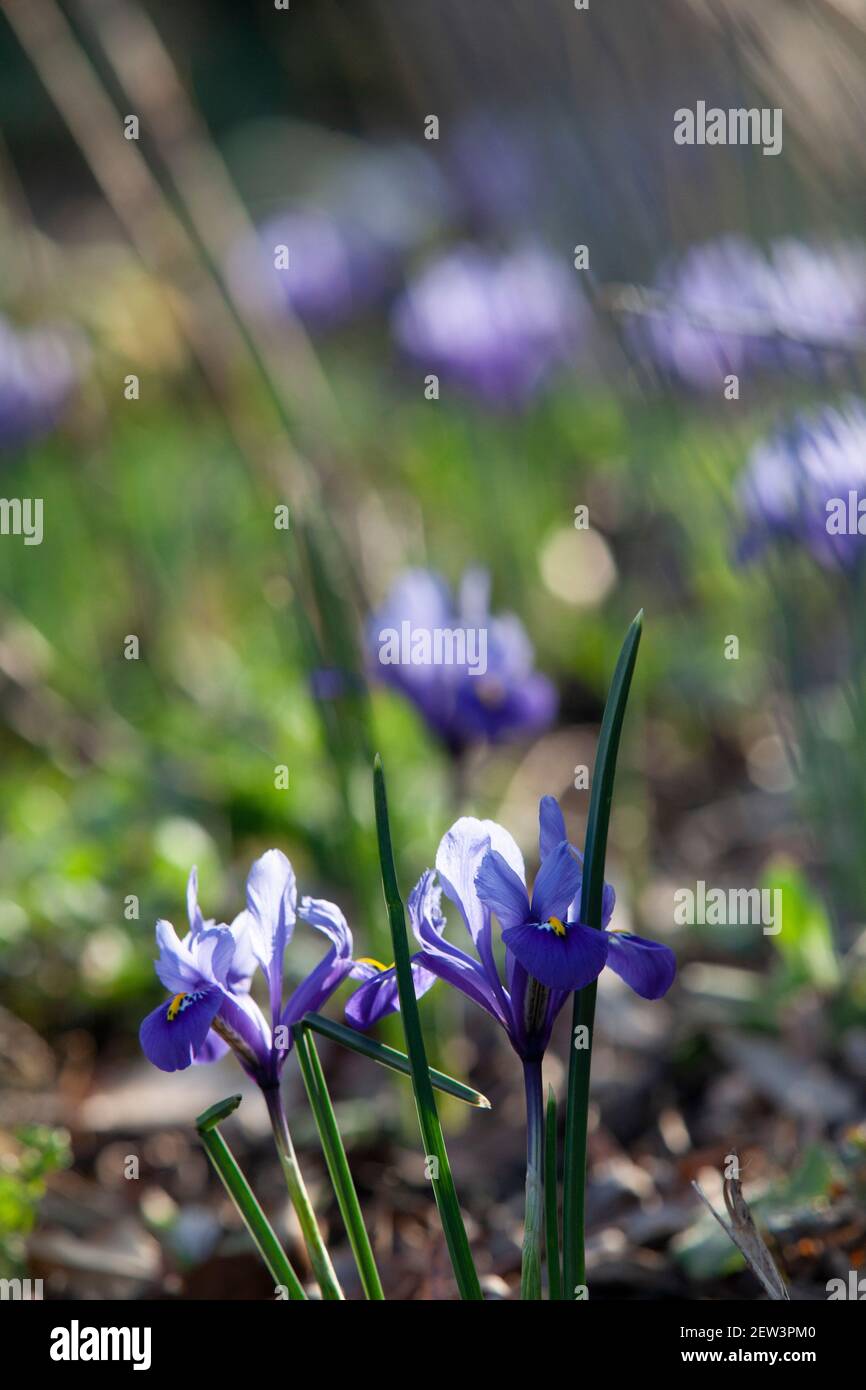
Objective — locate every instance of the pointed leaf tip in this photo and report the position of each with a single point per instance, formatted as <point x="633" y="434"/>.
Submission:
<point x="215" y="1114"/>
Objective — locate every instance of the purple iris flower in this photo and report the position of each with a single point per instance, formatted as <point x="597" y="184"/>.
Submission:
<point x="799" y="485"/>
<point x="38" y="374"/>
<point x="728" y="308"/>
<point x="709" y="287"/>
<point x="548" y="953"/>
<point x="817" y="300"/>
<point x="497" y="326"/>
<point x="336" y="268"/>
<point x="209" y="974"/>
<point x="471" y="674"/>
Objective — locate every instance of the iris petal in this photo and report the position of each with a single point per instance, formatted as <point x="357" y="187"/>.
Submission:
<point x="458" y="859"/>
<point x="317" y="988"/>
<point x="647" y="966"/>
<point x="467" y="975"/>
<point x="212" y="1050"/>
<point x="271" y="897"/>
<point x="556" y="885"/>
<point x="568" y="962"/>
<point x="425" y="911"/>
<point x="327" y="917"/>
<point x="378" y="995"/>
<point x="193" y="911"/>
<point x="499" y="887"/>
<point x="170" y="1044"/>
<point x="551" y="826"/>
<point x="213" y="950"/>
<point x="175" y="968"/>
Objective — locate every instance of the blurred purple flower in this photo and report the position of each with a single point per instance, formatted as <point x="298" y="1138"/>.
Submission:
<point x="804" y="484"/>
<point x="548" y="953"/>
<point x="460" y="701"/>
<point x="715" y="282"/>
<point x="38" y="374"/>
<point x="727" y="308"/>
<point x="336" y="268"/>
<point x="816" y="293"/>
<point x="209" y="974"/>
<point x="497" y="326"/>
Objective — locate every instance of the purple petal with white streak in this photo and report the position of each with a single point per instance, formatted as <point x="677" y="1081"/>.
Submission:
<point x="565" y="962"/>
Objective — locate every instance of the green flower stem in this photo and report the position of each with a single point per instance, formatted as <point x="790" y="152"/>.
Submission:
<point x="530" y="1274"/>
<point x="251" y="1213"/>
<point x="319" y="1257"/>
<point x="391" y="1057"/>
<point x="338" y="1165"/>
<point x="551" y="1214"/>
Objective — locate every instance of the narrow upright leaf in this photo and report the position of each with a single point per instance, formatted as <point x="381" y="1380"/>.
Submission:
<point x="551" y="1199"/>
<point x="338" y="1164"/>
<point x="435" y="1155"/>
<point x="595" y="849"/>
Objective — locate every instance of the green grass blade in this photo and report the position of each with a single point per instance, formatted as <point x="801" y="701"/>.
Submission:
<point x="244" y="1198"/>
<point x="425" y="1100"/>
<point x="210" y="1118"/>
<point x="595" y="849"/>
<point x="551" y="1197"/>
<point x="338" y="1164"/>
<point x="392" y="1058"/>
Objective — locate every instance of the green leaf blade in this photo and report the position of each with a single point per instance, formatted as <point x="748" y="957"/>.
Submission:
<point x="436" y="1155"/>
<point x="338" y="1163"/>
<point x="392" y="1058"/>
<point x="592" y="891"/>
<point x="551" y="1212"/>
<point x="236" y="1185"/>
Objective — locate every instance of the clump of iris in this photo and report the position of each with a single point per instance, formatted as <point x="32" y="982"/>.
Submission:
<point x="548" y="953"/>
<point x="509" y="700"/>
<point x="799" y="481"/>
<point x="497" y="326"/>
<point x="726" y="307"/>
<point x="209" y="976"/>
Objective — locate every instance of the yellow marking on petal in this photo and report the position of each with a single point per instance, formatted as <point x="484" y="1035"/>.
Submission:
<point x="558" y="927"/>
<point x="174" y="1007"/>
<point x="376" y="964"/>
